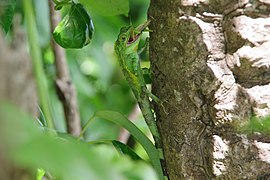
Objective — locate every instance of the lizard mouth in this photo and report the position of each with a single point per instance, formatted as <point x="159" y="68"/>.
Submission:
<point x="133" y="39"/>
<point x="134" y="36"/>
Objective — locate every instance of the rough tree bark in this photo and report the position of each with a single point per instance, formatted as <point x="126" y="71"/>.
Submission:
<point x="210" y="63"/>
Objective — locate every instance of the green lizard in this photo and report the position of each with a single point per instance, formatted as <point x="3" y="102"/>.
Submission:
<point x="126" y="47"/>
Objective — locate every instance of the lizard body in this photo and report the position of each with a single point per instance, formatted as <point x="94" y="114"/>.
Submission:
<point x="126" y="47"/>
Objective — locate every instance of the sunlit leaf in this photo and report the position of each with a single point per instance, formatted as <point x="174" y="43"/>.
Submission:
<point x="76" y="28"/>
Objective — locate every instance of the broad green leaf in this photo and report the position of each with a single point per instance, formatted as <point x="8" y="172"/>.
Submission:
<point x="125" y="149"/>
<point x="26" y="145"/>
<point x="7" y="8"/>
<point x="107" y="7"/>
<point x="150" y="149"/>
<point x="76" y="29"/>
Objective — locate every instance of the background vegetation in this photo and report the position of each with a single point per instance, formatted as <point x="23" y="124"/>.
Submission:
<point x="100" y="86"/>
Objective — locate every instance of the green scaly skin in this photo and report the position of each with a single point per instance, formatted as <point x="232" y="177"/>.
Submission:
<point x="126" y="47"/>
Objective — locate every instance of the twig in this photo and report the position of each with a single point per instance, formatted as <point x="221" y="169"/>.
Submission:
<point x="65" y="89"/>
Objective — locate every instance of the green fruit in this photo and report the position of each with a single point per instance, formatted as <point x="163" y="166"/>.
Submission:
<point x="76" y="29"/>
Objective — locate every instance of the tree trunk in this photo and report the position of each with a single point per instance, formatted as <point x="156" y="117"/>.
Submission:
<point x="210" y="62"/>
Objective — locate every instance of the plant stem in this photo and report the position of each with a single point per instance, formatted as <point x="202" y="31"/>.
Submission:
<point x="65" y="89"/>
<point x="37" y="61"/>
<point x="86" y="126"/>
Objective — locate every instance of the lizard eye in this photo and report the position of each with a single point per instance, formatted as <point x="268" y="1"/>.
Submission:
<point x="123" y="38"/>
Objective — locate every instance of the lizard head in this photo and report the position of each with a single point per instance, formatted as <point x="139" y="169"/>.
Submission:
<point x="129" y="37"/>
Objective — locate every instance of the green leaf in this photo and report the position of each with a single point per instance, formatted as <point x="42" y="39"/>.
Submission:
<point x="7" y="8"/>
<point x="107" y="7"/>
<point x="150" y="149"/>
<point x="76" y="29"/>
<point x="125" y="149"/>
<point x="26" y="145"/>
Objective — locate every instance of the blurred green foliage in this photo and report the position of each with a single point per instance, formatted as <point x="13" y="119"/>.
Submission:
<point x="65" y="158"/>
<point x="94" y="69"/>
<point x="100" y="85"/>
<point x="107" y="7"/>
<point x="7" y="8"/>
<point x="96" y="73"/>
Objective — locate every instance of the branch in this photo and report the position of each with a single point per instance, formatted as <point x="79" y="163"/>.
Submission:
<point x="65" y="89"/>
